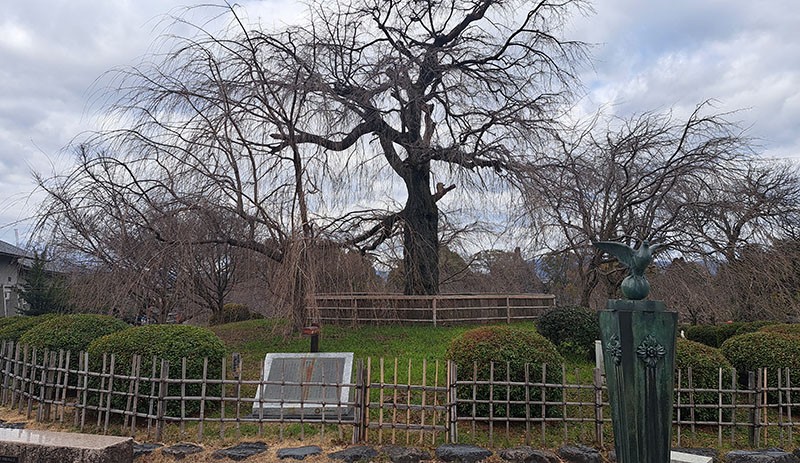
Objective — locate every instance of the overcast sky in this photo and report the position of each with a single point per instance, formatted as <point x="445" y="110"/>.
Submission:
<point x="649" y="55"/>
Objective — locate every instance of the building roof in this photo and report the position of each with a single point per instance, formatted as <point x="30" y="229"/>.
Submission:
<point x="11" y="250"/>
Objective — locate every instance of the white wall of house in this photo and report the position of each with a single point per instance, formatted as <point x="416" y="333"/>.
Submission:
<point x="9" y="278"/>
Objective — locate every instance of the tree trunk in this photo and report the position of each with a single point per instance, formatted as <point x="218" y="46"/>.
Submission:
<point x="420" y="234"/>
<point x="302" y="309"/>
<point x="299" y="309"/>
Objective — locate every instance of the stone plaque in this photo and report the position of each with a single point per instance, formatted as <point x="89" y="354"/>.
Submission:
<point x="308" y="386"/>
<point x="8" y="459"/>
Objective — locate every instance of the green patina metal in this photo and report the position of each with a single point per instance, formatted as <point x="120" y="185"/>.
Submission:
<point x="635" y="285"/>
<point x="638" y="338"/>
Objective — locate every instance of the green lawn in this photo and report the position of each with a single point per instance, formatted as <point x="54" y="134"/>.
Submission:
<point x="253" y="339"/>
<point x="258" y="337"/>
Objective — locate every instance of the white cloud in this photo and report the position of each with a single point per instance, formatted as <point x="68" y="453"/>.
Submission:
<point x="16" y="39"/>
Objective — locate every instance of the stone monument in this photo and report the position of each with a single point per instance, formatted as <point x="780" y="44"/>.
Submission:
<point x="638" y="338"/>
<point x="309" y="386"/>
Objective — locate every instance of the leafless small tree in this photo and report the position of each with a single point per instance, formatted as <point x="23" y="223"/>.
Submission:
<point x="751" y="204"/>
<point x="505" y="272"/>
<point x="624" y="180"/>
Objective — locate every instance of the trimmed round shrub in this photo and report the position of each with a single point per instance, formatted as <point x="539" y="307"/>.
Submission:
<point x="701" y="359"/>
<point x="72" y="333"/>
<point x="572" y="330"/>
<point x="232" y="313"/>
<point x="751" y="351"/>
<point x="727" y="331"/>
<point x="751" y="327"/>
<point x="17" y="326"/>
<point x="704" y="334"/>
<point x="791" y="329"/>
<point x="704" y="362"/>
<point x="510" y="348"/>
<point x="715" y="335"/>
<point x="164" y="342"/>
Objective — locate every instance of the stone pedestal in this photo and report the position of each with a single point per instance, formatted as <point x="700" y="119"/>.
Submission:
<point x="639" y="353"/>
<point x="33" y="446"/>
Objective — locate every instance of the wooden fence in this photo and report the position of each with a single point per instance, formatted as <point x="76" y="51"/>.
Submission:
<point x="391" y="402"/>
<point x="359" y="309"/>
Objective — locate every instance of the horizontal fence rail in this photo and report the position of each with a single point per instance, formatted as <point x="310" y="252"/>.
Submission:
<point x="390" y="401"/>
<point x="359" y="309"/>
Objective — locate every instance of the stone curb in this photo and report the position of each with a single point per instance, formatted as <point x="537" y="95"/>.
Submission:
<point x="457" y="453"/>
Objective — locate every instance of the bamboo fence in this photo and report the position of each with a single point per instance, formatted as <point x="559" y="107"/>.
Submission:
<point x="357" y="309"/>
<point x="389" y="401"/>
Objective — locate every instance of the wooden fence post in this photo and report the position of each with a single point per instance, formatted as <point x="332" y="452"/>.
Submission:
<point x="754" y="386"/>
<point x="15" y="380"/>
<point x="101" y="391"/>
<point x="109" y="403"/>
<point x="162" y="391"/>
<point x="31" y="378"/>
<point x="452" y="398"/>
<point x="361" y="406"/>
<point x="47" y="379"/>
<point x="7" y="352"/>
<point x="84" y="393"/>
<point x="788" y="377"/>
<point x="365" y="379"/>
<point x="136" y="360"/>
<point x="598" y="406"/>
<point x="65" y="389"/>
<point x="23" y="378"/>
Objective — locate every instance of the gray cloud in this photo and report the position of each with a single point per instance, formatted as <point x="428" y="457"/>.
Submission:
<point x="649" y="55"/>
<point x="660" y="55"/>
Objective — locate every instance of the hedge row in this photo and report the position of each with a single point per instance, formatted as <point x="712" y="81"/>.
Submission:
<point x="716" y="335"/>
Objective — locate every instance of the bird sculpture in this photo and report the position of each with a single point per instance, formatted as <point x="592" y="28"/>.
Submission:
<point x="635" y="285"/>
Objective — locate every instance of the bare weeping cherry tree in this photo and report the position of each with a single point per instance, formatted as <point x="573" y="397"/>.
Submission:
<point x="453" y="88"/>
<point x="743" y="222"/>
<point x="264" y="127"/>
<point x="188" y="166"/>
<point x="751" y="205"/>
<point x="626" y="179"/>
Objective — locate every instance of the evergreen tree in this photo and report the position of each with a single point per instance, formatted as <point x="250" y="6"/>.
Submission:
<point x="43" y="291"/>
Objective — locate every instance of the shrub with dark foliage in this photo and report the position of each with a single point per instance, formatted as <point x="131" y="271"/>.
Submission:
<point x="751" y="327"/>
<point x="751" y="351"/>
<point x="572" y="330"/>
<point x="773" y="351"/>
<point x="791" y="329"/>
<point x="510" y="349"/>
<point x="72" y="333"/>
<point x="15" y="327"/>
<point x="704" y="334"/>
<point x="715" y="335"/>
<point x="704" y="362"/>
<point x="164" y="342"/>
